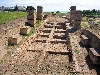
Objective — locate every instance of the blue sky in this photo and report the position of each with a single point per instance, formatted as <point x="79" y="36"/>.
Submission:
<point x="55" y="5"/>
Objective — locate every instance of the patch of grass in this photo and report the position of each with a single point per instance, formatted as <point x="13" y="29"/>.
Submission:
<point x="9" y="53"/>
<point x="84" y="20"/>
<point x="77" y="51"/>
<point x="83" y="24"/>
<point x="16" y="70"/>
<point x="3" y="61"/>
<point x="9" y="16"/>
<point x="31" y="32"/>
<point x="98" y="22"/>
<point x="38" y="23"/>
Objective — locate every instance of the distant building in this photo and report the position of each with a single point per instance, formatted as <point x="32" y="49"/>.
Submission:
<point x="2" y="8"/>
<point x="21" y="8"/>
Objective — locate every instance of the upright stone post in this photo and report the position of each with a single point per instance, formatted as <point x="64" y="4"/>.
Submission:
<point x="31" y="17"/>
<point x="77" y="20"/>
<point x="72" y="10"/>
<point x="75" y="17"/>
<point x="39" y="13"/>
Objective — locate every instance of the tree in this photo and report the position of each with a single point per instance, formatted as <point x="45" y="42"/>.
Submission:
<point x="94" y="11"/>
<point x="30" y="8"/>
<point x="58" y="12"/>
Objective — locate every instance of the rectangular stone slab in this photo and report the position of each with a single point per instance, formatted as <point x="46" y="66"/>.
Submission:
<point x="14" y="40"/>
<point x="84" y="40"/>
<point x="25" y="30"/>
<point x="94" y="54"/>
<point x="58" y="41"/>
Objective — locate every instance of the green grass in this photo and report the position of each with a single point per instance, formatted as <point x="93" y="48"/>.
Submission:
<point x="77" y="51"/>
<point x="9" y="16"/>
<point x="83" y="24"/>
<point x="98" y="22"/>
<point x="38" y="23"/>
<point x="31" y="32"/>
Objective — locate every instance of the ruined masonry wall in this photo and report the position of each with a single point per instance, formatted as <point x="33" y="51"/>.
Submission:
<point x="94" y="38"/>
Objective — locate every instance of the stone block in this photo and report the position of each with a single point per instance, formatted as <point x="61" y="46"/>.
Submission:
<point x="31" y="12"/>
<point x="31" y="17"/>
<point x="84" y="40"/>
<point x="73" y="7"/>
<point x="60" y="31"/>
<point x="50" y="22"/>
<point x="32" y="22"/>
<point x="44" y="34"/>
<point x="48" y="26"/>
<point x="58" y="41"/>
<point x="94" y="54"/>
<point x="14" y="40"/>
<point x="60" y="27"/>
<point x="59" y="35"/>
<point x="25" y="30"/>
<point x="47" y="30"/>
<point x="45" y="16"/>
<point x="39" y="17"/>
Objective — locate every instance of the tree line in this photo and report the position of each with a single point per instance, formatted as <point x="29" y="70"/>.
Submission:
<point x="91" y="12"/>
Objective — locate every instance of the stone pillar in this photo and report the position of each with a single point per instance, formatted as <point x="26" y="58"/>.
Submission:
<point x="77" y="19"/>
<point x="31" y="17"/>
<point x="39" y="13"/>
<point x="72" y="10"/>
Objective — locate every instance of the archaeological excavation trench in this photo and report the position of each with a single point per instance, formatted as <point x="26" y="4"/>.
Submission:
<point x="51" y="44"/>
<point x="46" y="52"/>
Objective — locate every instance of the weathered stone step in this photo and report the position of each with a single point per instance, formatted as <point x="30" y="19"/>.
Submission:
<point x="45" y="35"/>
<point x="62" y="53"/>
<point x="60" y="31"/>
<point x="35" y="50"/>
<point x="41" y="40"/>
<point x="48" y="26"/>
<point x="58" y="41"/>
<point x="46" y="30"/>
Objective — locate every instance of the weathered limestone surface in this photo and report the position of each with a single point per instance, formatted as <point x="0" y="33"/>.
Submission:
<point x="25" y="30"/>
<point x="39" y="12"/>
<point x="14" y="39"/>
<point x="31" y="17"/>
<point x="48" y="26"/>
<point x="84" y="40"/>
<point x="94" y="55"/>
<point x="94" y="38"/>
<point x="75" y="17"/>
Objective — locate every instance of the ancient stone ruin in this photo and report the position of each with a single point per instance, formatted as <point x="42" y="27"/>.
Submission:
<point x="14" y="39"/>
<point x="39" y="13"/>
<point x="25" y="30"/>
<point x="75" y="17"/>
<point x="89" y="38"/>
<point x="31" y="17"/>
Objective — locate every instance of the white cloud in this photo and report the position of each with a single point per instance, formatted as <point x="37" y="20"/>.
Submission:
<point x="62" y="5"/>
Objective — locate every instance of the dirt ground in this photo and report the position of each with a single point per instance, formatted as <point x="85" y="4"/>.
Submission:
<point x="4" y="37"/>
<point x="46" y="58"/>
